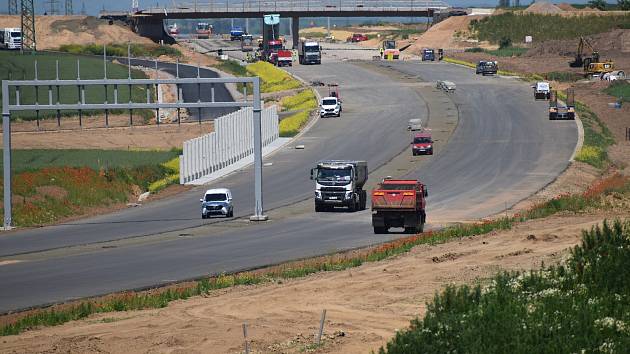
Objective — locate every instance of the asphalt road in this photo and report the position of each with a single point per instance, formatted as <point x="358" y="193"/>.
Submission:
<point x="502" y="150"/>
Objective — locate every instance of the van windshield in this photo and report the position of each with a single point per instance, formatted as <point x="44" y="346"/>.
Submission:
<point x="216" y="197"/>
<point x="422" y="140"/>
<point x="334" y="174"/>
<point x="16" y="34"/>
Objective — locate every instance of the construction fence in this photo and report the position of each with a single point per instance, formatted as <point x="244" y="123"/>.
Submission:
<point x="231" y="141"/>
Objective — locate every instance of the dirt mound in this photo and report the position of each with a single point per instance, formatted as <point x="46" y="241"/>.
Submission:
<point x="566" y="7"/>
<point x="608" y="43"/>
<point x="447" y="34"/>
<point x="543" y="7"/>
<point x="53" y="31"/>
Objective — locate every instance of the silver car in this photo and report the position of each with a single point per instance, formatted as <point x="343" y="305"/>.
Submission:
<point x="414" y="124"/>
<point x="217" y="202"/>
<point x="446" y="86"/>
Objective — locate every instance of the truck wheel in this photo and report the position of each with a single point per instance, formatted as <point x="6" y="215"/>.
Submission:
<point x="380" y="230"/>
<point x="420" y="228"/>
<point x="352" y="207"/>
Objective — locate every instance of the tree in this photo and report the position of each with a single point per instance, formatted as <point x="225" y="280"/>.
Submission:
<point x="624" y="5"/>
<point x="598" y="4"/>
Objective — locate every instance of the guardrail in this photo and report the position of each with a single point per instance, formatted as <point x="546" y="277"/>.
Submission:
<point x="231" y="141"/>
<point x="298" y="5"/>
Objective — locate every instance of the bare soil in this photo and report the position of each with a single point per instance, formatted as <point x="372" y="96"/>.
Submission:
<point x="53" y="31"/>
<point x="365" y="305"/>
<point x="449" y="34"/>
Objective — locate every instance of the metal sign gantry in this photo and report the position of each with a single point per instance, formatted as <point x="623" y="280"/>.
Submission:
<point x="12" y="102"/>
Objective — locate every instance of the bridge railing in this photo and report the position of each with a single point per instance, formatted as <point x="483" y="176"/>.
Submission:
<point x="298" y="5"/>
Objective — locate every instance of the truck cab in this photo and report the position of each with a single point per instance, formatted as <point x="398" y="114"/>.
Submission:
<point x="203" y="30"/>
<point x="309" y="52"/>
<point x="11" y="38"/>
<point x="247" y="43"/>
<point x="399" y="203"/>
<point x="339" y="183"/>
<point x="236" y="33"/>
<point x="542" y="90"/>
<point x="428" y="54"/>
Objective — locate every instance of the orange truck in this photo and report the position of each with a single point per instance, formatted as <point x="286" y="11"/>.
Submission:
<point x="399" y="203"/>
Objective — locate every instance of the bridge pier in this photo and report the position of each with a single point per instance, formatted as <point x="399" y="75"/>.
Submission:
<point x="295" y="31"/>
<point x="151" y="27"/>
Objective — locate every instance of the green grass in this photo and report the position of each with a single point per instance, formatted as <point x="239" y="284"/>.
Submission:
<point x="619" y="89"/>
<point x="543" y="27"/>
<point x="313" y="34"/>
<point x="35" y="159"/>
<point x="172" y="167"/>
<point x="563" y="76"/>
<point x="14" y="66"/>
<point x="232" y="67"/>
<point x="502" y="52"/>
<point x="120" y="50"/>
<point x="597" y="138"/>
<point x="291" y="125"/>
<point x="580" y="306"/>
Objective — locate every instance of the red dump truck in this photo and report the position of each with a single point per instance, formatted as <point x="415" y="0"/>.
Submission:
<point x="399" y="203"/>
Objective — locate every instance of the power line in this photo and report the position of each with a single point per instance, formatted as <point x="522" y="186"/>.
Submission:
<point x="69" y="10"/>
<point x="13" y="7"/>
<point x="52" y="7"/>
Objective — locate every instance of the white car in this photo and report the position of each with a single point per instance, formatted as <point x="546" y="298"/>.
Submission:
<point x="330" y="106"/>
<point x="414" y="125"/>
<point x="217" y="202"/>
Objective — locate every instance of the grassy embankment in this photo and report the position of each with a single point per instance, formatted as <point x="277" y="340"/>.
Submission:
<point x="515" y="27"/>
<point x="594" y="197"/>
<point x="501" y="52"/>
<point x="120" y="50"/>
<point x="619" y="89"/>
<point x="276" y="80"/>
<point x="579" y="306"/>
<point x="49" y="185"/>
<point x="15" y="66"/>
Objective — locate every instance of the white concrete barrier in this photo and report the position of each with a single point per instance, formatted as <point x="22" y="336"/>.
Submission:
<point x="231" y="141"/>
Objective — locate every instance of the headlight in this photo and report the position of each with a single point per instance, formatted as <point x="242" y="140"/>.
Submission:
<point x="429" y="146"/>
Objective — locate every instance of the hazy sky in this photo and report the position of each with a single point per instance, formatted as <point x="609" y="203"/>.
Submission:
<point x="94" y="6"/>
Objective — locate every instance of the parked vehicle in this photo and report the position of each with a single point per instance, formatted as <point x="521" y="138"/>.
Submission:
<point x="203" y="30"/>
<point x="422" y="144"/>
<point x="487" y="67"/>
<point x="330" y="106"/>
<point x="236" y="33"/>
<point x="247" y="43"/>
<point x="446" y="86"/>
<point x="415" y="124"/>
<point x="542" y="90"/>
<point x="428" y="54"/>
<point x="399" y="203"/>
<point x="339" y="183"/>
<point x="277" y="55"/>
<point x="309" y="52"/>
<point x="11" y="38"/>
<point x="217" y="202"/>
<point x="357" y="37"/>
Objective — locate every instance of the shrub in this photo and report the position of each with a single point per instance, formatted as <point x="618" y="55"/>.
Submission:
<point x="474" y="50"/>
<point x="579" y="306"/>
<point x="303" y="100"/>
<point x="505" y="42"/>
<point x="563" y="76"/>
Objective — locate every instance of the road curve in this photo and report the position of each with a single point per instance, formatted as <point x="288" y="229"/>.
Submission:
<point x="502" y="150"/>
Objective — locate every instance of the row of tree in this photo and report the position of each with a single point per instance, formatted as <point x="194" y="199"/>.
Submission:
<point x="602" y="4"/>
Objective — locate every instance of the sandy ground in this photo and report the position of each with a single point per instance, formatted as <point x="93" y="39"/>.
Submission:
<point x="365" y="305"/>
<point x="53" y="31"/>
<point x="448" y="34"/>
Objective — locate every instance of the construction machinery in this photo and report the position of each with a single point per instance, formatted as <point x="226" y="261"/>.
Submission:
<point x="591" y="64"/>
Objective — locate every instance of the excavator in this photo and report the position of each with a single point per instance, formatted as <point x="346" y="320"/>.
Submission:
<point x="591" y="64"/>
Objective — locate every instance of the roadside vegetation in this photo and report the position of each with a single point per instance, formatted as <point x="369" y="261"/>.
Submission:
<point x="563" y="76"/>
<point x="49" y="185"/>
<point x="597" y="196"/>
<point x="273" y="79"/>
<point x="14" y="66"/>
<point x="597" y="137"/>
<point x="579" y="306"/>
<point x="501" y="52"/>
<point x="543" y="27"/>
<point x="619" y="89"/>
<point x="120" y="50"/>
<point x="303" y="102"/>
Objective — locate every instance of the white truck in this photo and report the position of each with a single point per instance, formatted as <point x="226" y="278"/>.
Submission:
<point x="11" y="38"/>
<point x="339" y="183"/>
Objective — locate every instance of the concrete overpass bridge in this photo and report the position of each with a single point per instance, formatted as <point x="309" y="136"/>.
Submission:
<point x="149" y="22"/>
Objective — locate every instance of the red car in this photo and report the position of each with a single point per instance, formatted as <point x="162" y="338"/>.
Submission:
<point x="357" y="37"/>
<point x="422" y="144"/>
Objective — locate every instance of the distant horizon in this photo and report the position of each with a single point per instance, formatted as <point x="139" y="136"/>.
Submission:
<point x="94" y="7"/>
